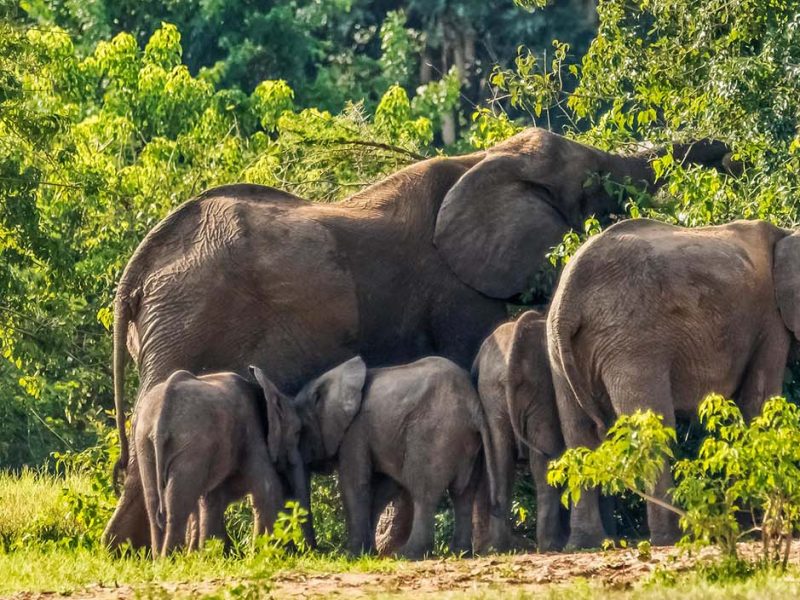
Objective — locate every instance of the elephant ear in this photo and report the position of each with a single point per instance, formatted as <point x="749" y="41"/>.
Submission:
<point x="529" y="387"/>
<point x="275" y="413"/>
<point x="786" y="273"/>
<point x="496" y="224"/>
<point x="338" y="394"/>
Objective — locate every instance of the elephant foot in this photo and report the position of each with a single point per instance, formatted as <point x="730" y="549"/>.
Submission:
<point x="664" y="538"/>
<point x="414" y="552"/>
<point x="551" y="542"/>
<point x="461" y="550"/>
<point x="584" y="540"/>
<point x="549" y="547"/>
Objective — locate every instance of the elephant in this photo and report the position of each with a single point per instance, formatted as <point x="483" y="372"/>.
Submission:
<point x="388" y="273"/>
<point x="204" y="442"/>
<point x="417" y="427"/>
<point x="649" y="315"/>
<point x="513" y="378"/>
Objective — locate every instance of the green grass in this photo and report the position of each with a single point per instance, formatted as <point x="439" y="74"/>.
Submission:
<point x="41" y="550"/>
<point x="31" y="507"/>
<point x="36" y="553"/>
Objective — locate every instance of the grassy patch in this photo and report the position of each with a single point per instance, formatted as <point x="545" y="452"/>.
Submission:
<point x="37" y="524"/>
<point x="42" y="551"/>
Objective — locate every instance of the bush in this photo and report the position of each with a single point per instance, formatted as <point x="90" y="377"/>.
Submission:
<point x="739" y="467"/>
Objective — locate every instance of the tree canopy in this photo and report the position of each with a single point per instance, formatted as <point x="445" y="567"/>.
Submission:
<point x="113" y="113"/>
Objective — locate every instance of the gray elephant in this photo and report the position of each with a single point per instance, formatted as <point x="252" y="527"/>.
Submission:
<point x="420" y="263"/>
<point x="204" y="442"/>
<point x="516" y="391"/>
<point x="417" y="427"/>
<point x="650" y="315"/>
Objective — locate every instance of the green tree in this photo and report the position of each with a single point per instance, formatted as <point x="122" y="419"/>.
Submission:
<point x="94" y="151"/>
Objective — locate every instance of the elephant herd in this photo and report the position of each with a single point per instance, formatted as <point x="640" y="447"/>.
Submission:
<point x="275" y="338"/>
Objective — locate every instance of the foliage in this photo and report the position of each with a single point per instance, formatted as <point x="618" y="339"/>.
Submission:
<point x="94" y="151"/>
<point x="90" y="510"/>
<point x="753" y="467"/>
<point x="739" y="467"/>
<point x="331" y="51"/>
<point x="658" y="72"/>
<point x="329" y="521"/>
<point x="631" y="458"/>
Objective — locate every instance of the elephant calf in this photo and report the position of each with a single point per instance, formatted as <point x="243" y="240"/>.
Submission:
<point x="417" y="427"/>
<point x="516" y="390"/>
<point x="203" y="442"/>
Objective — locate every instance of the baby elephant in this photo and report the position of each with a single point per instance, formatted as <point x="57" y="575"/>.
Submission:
<point x="203" y="442"/>
<point x="418" y="427"/>
<point x="516" y="390"/>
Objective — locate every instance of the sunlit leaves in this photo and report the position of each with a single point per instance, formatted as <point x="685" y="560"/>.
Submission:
<point x="738" y="467"/>
<point x="96" y="149"/>
<point x="272" y="98"/>
<point x="631" y="458"/>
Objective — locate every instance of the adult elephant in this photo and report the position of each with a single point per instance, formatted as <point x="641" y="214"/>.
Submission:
<point x="650" y="315"/>
<point x="246" y="274"/>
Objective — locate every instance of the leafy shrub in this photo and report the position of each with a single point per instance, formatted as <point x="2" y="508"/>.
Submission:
<point x="739" y="467"/>
<point x="91" y="510"/>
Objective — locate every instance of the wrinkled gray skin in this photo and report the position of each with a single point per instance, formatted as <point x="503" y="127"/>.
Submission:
<point x="417" y="264"/>
<point x="516" y="391"/>
<point x="418" y="427"/>
<point x="649" y="315"/>
<point x="204" y="442"/>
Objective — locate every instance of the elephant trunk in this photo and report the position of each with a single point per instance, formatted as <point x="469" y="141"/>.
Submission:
<point x="638" y="167"/>
<point x="301" y="489"/>
<point x="707" y="153"/>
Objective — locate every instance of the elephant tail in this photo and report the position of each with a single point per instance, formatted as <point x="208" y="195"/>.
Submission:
<point x="160" y="434"/>
<point x="161" y="478"/>
<point x="561" y="332"/>
<point x="122" y="315"/>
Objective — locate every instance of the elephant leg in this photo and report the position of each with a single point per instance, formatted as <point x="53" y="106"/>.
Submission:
<point x="764" y="376"/>
<point x="586" y="525"/>
<point x="181" y="498"/>
<point x="266" y="491"/>
<point x="505" y="451"/>
<point x="355" y="481"/>
<point x="481" y="518"/>
<point x="394" y="526"/>
<point x="147" y="472"/>
<point x="654" y="393"/>
<point x="420" y="541"/>
<point x="463" y="502"/>
<point x="212" y="517"/>
<point x="193" y="530"/>
<point x="129" y="523"/>
<point x="550" y="534"/>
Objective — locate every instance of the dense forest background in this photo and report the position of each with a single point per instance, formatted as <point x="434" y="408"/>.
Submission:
<point x="114" y="112"/>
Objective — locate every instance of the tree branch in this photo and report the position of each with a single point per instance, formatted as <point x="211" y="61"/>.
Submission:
<point x="378" y="145"/>
<point x="659" y="502"/>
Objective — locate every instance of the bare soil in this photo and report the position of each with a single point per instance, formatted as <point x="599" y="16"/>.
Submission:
<point x="616" y="569"/>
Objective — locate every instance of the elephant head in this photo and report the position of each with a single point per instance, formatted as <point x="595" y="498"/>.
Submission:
<point x="283" y="443"/>
<point x="503" y="215"/>
<point x="529" y="387"/>
<point x="327" y="406"/>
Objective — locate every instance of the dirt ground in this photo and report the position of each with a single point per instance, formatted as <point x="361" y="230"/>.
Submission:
<point x="617" y="569"/>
